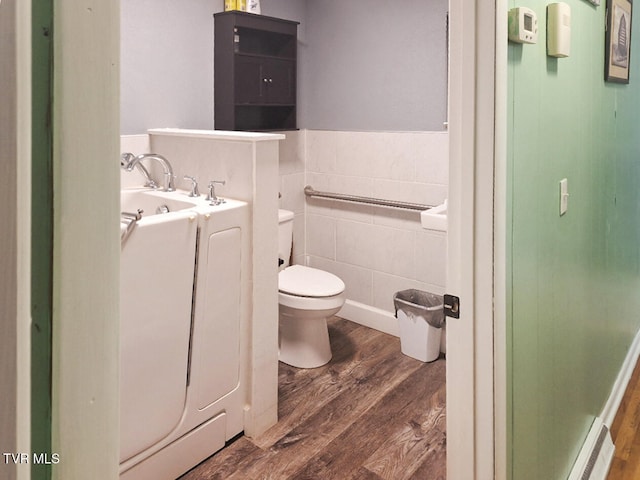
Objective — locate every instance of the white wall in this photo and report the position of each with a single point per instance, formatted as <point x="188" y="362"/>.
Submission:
<point x="376" y="251"/>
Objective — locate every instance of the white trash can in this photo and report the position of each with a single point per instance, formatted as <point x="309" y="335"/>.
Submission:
<point x="420" y="318"/>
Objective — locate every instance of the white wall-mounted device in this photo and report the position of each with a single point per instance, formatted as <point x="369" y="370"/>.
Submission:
<point x="558" y="29"/>
<point x="564" y="196"/>
<point x="523" y="25"/>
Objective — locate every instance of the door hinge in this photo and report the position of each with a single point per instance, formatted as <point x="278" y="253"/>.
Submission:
<point x="451" y="306"/>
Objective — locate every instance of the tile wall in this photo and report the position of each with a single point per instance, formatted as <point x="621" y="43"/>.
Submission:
<point x="375" y="250"/>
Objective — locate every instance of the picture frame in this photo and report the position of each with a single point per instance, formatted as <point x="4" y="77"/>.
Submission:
<point x="618" y="41"/>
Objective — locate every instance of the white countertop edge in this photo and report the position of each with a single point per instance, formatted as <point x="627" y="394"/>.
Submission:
<point x="217" y="134"/>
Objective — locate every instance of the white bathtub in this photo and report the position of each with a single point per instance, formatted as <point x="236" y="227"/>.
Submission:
<point x="184" y="282"/>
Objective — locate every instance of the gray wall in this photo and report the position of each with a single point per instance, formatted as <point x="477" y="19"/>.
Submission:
<point x="166" y="64"/>
<point x="376" y="65"/>
<point x="363" y="64"/>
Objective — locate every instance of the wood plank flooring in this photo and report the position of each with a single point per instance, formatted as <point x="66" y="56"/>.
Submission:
<point x="370" y="414"/>
<point x="625" y="432"/>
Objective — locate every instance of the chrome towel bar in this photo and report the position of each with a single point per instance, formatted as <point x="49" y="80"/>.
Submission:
<point x="310" y="192"/>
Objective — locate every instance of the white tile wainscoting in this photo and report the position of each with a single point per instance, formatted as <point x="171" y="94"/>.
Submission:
<point x="375" y="250"/>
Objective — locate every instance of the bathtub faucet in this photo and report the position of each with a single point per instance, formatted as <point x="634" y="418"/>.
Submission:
<point x="125" y="158"/>
<point x="128" y="162"/>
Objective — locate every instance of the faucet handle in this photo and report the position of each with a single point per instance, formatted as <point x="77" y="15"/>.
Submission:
<point x="211" y="196"/>
<point x="194" y="186"/>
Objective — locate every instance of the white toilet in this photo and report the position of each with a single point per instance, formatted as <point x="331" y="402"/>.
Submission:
<point x="307" y="297"/>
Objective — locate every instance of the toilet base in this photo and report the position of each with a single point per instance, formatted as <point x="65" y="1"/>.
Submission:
<point x="304" y="342"/>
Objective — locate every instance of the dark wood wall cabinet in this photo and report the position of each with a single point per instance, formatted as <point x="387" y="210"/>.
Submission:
<point x="254" y="72"/>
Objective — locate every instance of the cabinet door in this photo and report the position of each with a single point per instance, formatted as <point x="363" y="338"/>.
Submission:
<point x="250" y="87"/>
<point x="264" y="81"/>
<point x="280" y="78"/>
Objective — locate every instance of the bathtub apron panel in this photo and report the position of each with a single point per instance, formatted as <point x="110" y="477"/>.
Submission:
<point x="217" y="331"/>
<point x="155" y="316"/>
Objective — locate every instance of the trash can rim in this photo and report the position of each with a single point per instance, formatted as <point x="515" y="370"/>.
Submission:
<point x="431" y="308"/>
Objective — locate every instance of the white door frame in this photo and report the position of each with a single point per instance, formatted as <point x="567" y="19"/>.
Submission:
<point x="472" y="451"/>
<point x="15" y="239"/>
<point x="86" y="253"/>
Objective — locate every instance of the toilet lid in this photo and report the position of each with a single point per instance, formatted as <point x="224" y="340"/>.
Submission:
<point x="309" y="282"/>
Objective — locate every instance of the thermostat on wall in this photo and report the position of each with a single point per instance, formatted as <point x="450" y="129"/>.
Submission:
<point x="523" y="25"/>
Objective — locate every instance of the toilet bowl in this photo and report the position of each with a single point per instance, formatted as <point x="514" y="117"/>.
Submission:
<point x="307" y="297"/>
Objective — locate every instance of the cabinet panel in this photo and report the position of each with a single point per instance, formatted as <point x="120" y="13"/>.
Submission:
<point x="257" y="117"/>
<point x="260" y="42"/>
<point x="249" y="87"/>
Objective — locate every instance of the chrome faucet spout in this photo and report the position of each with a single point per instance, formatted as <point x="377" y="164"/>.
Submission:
<point x="128" y="161"/>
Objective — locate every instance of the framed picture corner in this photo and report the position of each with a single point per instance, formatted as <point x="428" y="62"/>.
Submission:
<point x="618" y="40"/>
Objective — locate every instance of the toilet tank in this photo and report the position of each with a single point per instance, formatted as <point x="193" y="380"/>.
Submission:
<point x="285" y="236"/>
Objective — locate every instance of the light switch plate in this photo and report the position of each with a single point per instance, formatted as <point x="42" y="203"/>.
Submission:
<point x="564" y="196"/>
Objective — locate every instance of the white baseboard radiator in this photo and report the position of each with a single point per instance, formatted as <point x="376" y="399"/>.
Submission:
<point x="595" y="457"/>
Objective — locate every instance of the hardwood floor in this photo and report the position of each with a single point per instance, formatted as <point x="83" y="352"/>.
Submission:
<point x="372" y="413"/>
<point x="625" y="433"/>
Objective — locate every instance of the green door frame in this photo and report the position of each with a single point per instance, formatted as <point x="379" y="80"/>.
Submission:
<point x="41" y="233"/>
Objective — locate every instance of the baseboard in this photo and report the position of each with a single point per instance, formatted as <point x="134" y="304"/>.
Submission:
<point x="595" y="457"/>
<point x="371" y="317"/>
<point x="620" y="386"/>
<point x="596" y="454"/>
